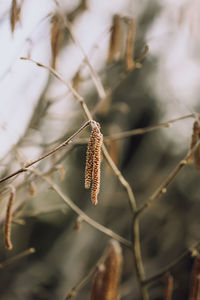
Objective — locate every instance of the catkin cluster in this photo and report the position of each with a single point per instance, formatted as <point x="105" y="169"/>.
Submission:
<point x="93" y="161"/>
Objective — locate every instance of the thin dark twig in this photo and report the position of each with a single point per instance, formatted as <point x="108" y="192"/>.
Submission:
<point x="31" y="163"/>
<point x="73" y="292"/>
<point x="163" y="187"/>
<point x="128" y="133"/>
<point x="80" y="213"/>
<point x="144" y="130"/>
<point x="171" y="265"/>
<point x="16" y="257"/>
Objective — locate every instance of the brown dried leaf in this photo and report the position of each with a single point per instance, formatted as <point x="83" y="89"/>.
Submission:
<point x="194" y="281"/>
<point x="115" y="44"/>
<point x="56" y="37"/>
<point x="169" y="287"/>
<point x="129" y="51"/>
<point x="76" y="80"/>
<point x="14" y="14"/>
<point x="32" y="188"/>
<point x="62" y="171"/>
<point x="106" y="280"/>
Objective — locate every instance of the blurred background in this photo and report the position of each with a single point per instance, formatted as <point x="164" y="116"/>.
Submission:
<point x="38" y="112"/>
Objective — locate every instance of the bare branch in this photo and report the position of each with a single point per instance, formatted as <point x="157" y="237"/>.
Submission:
<point x="31" y="163"/>
<point x="80" y="213"/>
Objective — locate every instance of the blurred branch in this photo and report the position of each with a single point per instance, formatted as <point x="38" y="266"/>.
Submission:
<point x="16" y="257"/>
<point x="163" y="187"/>
<point x="144" y="130"/>
<point x="31" y="163"/>
<point x="79" y="212"/>
<point x="172" y="265"/>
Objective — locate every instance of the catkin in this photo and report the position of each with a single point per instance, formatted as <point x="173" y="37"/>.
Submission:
<point x="8" y="221"/>
<point x="93" y="161"/>
<point x="96" y="168"/>
<point x="89" y="159"/>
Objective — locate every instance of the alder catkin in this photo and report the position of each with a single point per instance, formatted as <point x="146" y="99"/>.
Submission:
<point x="93" y="161"/>
<point x="96" y="168"/>
<point x="89" y="159"/>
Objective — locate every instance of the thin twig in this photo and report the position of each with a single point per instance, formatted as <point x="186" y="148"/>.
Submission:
<point x="163" y="187"/>
<point x="144" y="130"/>
<point x="171" y="265"/>
<point x="16" y="257"/>
<point x="31" y="163"/>
<point x="94" y="75"/>
<point x="80" y="213"/>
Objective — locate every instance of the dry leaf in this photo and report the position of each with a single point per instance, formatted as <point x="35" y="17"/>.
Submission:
<point x="106" y="280"/>
<point x="14" y="14"/>
<point x="169" y="287"/>
<point x="194" y="281"/>
<point x="115" y="44"/>
<point x="129" y="51"/>
<point x="56" y="37"/>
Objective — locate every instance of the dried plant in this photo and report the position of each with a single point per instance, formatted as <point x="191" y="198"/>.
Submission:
<point x="56" y="37"/>
<point x="129" y="52"/>
<point x="195" y="280"/>
<point x="14" y="14"/>
<point x="115" y="45"/>
<point x="194" y="139"/>
<point x="169" y="287"/>
<point x="32" y="188"/>
<point x="107" y="276"/>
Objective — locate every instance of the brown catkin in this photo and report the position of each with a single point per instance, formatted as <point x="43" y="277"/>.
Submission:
<point x="93" y="161"/>
<point x="89" y="159"/>
<point x="96" y="168"/>
<point x="8" y="221"/>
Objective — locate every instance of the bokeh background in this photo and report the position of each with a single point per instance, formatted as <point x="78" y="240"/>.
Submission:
<point x="37" y="112"/>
